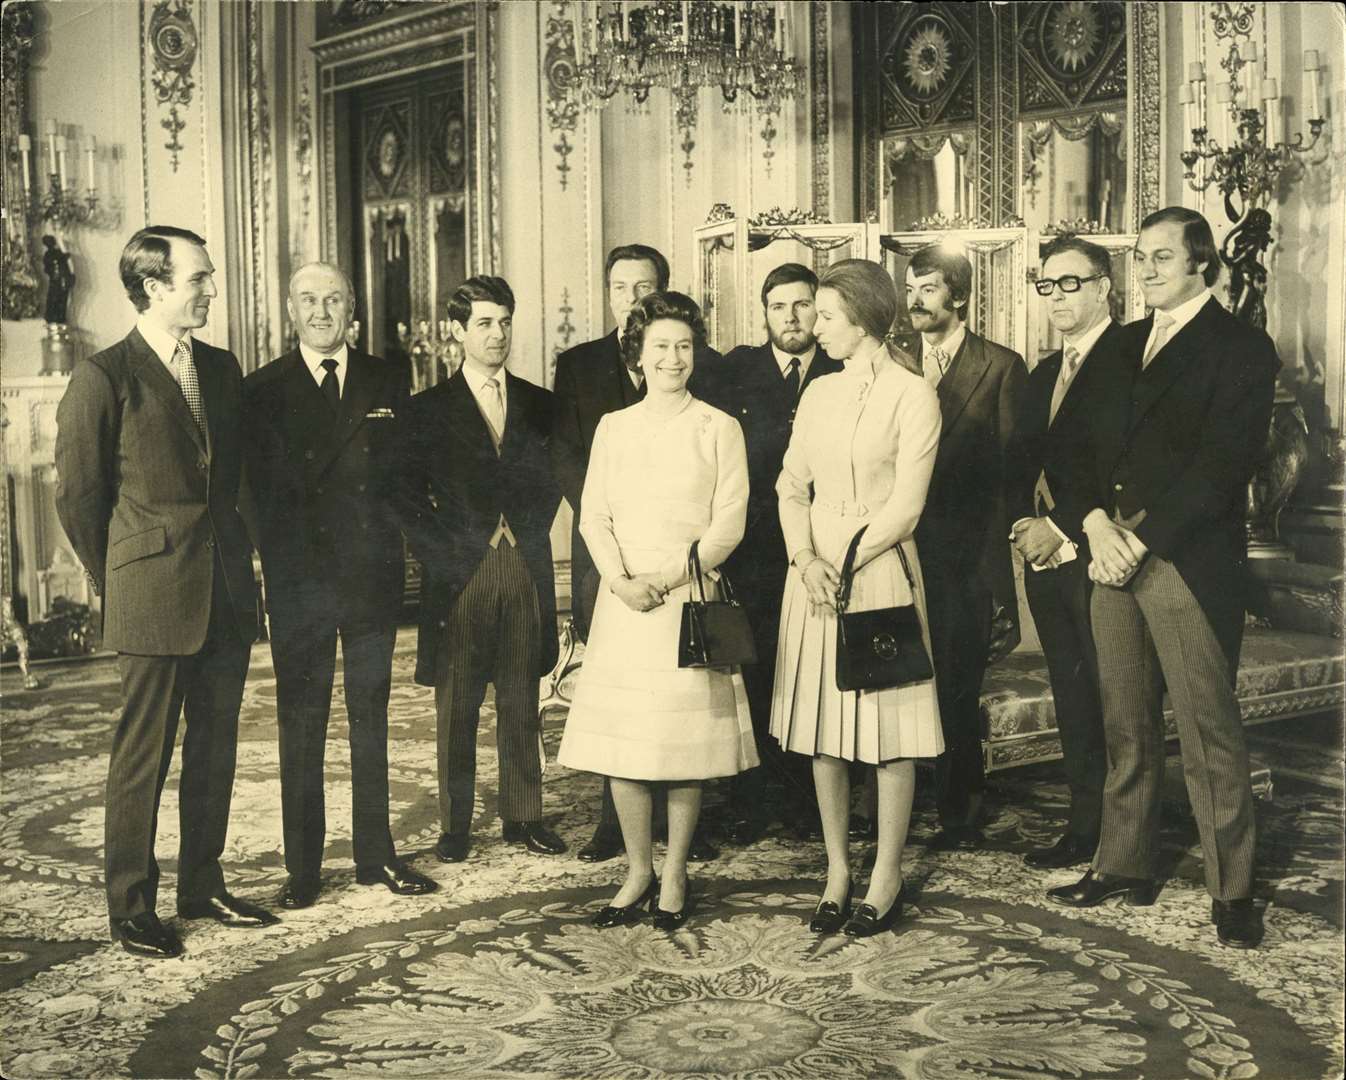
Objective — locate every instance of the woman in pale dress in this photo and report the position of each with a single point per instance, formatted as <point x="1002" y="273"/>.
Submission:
<point x="662" y="473"/>
<point x="861" y="454"/>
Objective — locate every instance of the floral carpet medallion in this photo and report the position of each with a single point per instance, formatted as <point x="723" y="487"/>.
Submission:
<point x="500" y="975"/>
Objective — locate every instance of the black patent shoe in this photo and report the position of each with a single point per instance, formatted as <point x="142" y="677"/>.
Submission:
<point x="1068" y="851"/>
<point x="829" y="917"/>
<point x="1238" y="923"/>
<point x="145" y="935"/>
<point x="671" y="920"/>
<point x="865" y="921"/>
<point x="627" y="914"/>
<point x="606" y="844"/>
<point x="227" y="911"/>
<point x="702" y="850"/>
<point x="1094" y="888"/>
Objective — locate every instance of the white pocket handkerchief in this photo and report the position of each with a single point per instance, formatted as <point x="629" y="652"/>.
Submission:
<point x="380" y="414"/>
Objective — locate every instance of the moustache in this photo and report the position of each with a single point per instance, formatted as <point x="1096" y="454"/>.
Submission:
<point x="918" y="311"/>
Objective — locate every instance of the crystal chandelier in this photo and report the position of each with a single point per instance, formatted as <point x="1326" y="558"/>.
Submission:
<point x="637" y="46"/>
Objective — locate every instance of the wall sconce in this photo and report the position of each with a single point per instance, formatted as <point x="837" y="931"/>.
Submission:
<point x="60" y="204"/>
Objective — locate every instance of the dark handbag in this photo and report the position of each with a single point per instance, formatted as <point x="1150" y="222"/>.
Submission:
<point x="880" y="648"/>
<point x="715" y="633"/>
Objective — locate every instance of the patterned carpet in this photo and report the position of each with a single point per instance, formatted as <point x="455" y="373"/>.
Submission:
<point x="499" y="974"/>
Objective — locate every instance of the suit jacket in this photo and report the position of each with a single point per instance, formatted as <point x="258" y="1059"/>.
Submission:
<point x="747" y="384"/>
<point x="148" y="501"/>
<point x="322" y="490"/>
<point x="1062" y="448"/>
<point x="1180" y="447"/>
<point x="963" y="533"/>
<point x="455" y="487"/>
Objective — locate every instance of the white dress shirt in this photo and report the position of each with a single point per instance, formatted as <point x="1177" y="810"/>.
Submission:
<point x="805" y="359"/>
<point x="313" y="360"/>
<point x="1181" y="316"/>
<point x="477" y="380"/>
<point x="949" y="346"/>
<point x="164" y="345"/>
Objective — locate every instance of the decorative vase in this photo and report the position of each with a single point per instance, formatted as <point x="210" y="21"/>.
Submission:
<point x="58" y="351"/>
<point x="1283" y="462"/>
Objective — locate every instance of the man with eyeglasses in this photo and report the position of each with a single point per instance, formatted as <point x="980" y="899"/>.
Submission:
<point x="1051" y="445"/>
<point x="1163" y="510"/>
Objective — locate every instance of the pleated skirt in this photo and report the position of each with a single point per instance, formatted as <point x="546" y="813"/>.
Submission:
<point x="809" y="715"/>
<point x="636" y="715"/>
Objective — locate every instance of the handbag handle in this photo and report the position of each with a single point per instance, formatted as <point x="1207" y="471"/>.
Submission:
<point x="848" y="569"/>
<point x="694" y="574"/>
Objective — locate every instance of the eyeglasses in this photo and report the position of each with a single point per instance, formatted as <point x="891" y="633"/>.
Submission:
<point x="1069" y="283"/>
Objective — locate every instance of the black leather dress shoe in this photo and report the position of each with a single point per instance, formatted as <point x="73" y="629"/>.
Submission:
<point x="863" y="828"/>
<point x="1238" y="923"/>
<point x="605" y="844"/>
<point x="228" y="911"/>
<point x="299" y="893"/>
<point x="702" y="850"/>
<point x="745" y="831"/>
<point x="397" y="878"/>
<point x="627" y="914"/>
<point x="1093" y="889"/>
<point x="1068" y="851"/>
<point x="957" y="838"/>
<point x="453" y="846"/>
<point x="534" y="836"/>
<point x="828" y="917"/>
<point x="865" y="921"/>
<point x="145" y="935"/>
<point x="671" y="920"/>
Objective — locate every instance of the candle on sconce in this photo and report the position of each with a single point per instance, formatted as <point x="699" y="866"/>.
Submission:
<point x="1196" y="72"/>
<point x="686" y="23"/>
<point x="738" y="25"/>
<point x="780" y="27"/>
<point x="1187" y="99"/>
<point x="625" y="18"/>
<point x="25" y="148"/>
<point x="60" y="162"/>
<point x="1312" y="111"/>
<point x="90" y="148"/>
<point x="1269" y="90"/>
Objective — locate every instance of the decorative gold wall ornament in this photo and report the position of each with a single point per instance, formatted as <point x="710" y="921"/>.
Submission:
<point x="173" y="42"/>
<point x="558" y="69"/>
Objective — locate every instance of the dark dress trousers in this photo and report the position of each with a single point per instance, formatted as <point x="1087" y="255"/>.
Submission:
<point x="747" y="384"/>
<point x="1057" y="450"/>
<point x="1174" y="457"/>
<point x="149" y="502"/>
<point x="965" y="553"/>
<point x="322" y="489"/>
<point x="488" y="613"/>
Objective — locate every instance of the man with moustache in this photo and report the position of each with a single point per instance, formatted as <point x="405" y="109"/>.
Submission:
<point x="322" y="426"/>
<point x="1064" y="394"/>
<point x="965" y="559"/>
<point x="1164" y="517"/>
<point x="148" y="452"/>
<point x="478" y="501"/>
<point x="760" y="386"/>
<point x="593" y="379"/>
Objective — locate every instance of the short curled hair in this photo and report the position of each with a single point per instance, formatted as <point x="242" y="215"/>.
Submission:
<point x="148" y="254"/>
<point x="867" y="294"/>
<point x="638" y="253"/>
<point x="655" y="306"/>
<point x="1100" y="262"/>
<point x="788" y="274"/>
<point x="953" y="265"/>
<point x="1197" y="238"/>
<point x="483" y="288"/>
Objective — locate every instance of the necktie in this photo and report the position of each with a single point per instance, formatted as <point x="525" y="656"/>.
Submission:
<point x="191" y="389"/>
<point x="1159" y="337"/>
<point x="495" y="410"/>
<point x="331" y="389"/>
<point x="936" y="364"/>
<point x="1070" y="362"/>
<point x="792" y="379"/>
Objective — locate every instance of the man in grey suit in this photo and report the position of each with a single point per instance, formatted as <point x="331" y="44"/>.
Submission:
<point x="148" y="451"/>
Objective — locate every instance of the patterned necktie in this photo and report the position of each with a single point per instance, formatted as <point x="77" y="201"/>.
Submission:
<point x="1159" y="338"/>
<point x="331" y="388"/>
<point x="191" y="389"/>
<point x="1070" y="363"/>
<point x="936" y="364"/>
<point x="792" y="378"/>
<point x="495" y="411"/>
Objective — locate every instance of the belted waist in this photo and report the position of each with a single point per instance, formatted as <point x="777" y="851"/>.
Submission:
<point x="841" y="507"/>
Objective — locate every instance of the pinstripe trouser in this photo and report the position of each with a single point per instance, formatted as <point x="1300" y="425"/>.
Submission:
<point x="1148" y="633"/>
<point x="490" y="636"/>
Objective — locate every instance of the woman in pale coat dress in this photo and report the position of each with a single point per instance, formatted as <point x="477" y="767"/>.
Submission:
<point x="861" y="454"/>
<point x="663" y="473"/>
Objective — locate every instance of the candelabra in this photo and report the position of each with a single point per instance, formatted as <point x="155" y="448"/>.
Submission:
<point x="435" y="354"/>
<point x="1237" y="146"/>
<point x="683" y="46"/>
<point x="60" y="204"/>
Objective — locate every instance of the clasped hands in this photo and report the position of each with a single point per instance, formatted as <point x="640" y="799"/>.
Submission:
<point x="642" y="592"/>
<point x="821" y="582"/>
<point x="1037" y="541"/>
<point x="1117" y="551"/>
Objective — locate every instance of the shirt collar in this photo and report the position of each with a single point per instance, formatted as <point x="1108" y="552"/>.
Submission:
<point x="160" y="340"/>
<point x="783" y="359"/>
<point x="950" y="345"/>
<point x="1085" y="344"/>
<point x="1187" y="310"/>
<point x="477" y="377"/>
<point x="314" y="359"/>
